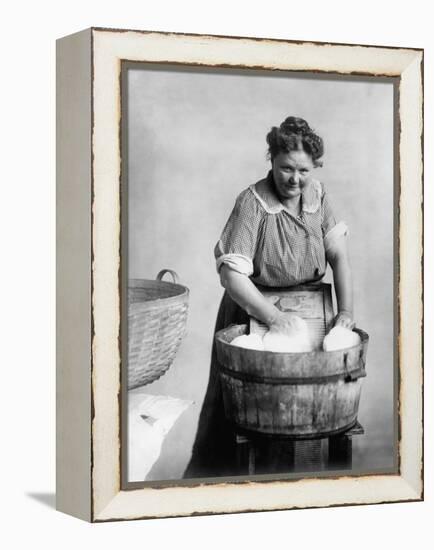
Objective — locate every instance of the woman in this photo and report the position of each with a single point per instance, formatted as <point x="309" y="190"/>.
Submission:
<point x="281" y="233"/>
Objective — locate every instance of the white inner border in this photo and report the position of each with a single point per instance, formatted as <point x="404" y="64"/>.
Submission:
<point x="110" y="47"/>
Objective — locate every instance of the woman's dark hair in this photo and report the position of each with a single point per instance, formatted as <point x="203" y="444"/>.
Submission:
<point x="295" y="134"/>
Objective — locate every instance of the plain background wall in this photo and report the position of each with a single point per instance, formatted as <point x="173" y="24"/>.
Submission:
<point x="27" y="278"/>
<point x="195" y="140"/>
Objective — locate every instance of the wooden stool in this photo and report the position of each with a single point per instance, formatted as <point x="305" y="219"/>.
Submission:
<point x="288" y="455"/>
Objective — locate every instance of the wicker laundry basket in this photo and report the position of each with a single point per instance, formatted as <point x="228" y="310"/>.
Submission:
<point x="157" y="318"/>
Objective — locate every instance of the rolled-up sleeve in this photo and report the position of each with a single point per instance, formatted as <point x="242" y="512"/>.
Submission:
<point x="237" y="244"/>
<point x="331" y="230"/>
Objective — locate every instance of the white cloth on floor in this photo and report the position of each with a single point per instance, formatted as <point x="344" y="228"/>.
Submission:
<point x="150" y="418"/>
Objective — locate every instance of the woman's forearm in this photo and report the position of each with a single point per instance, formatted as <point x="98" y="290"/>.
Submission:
<point x="337" y="256"/>
<point x="343" y="285"/>
<point x="241" y="289"/>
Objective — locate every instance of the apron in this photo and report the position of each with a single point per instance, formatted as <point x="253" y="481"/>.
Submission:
<point x="214" y="447"/>
<point x="214" y="450"/>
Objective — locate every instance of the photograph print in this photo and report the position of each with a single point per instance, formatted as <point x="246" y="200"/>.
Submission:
<point x="258" y="274"/>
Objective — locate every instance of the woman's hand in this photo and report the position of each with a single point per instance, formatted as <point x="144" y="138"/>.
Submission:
<point x="344" y="319"/>
<point x="284" y="323"/>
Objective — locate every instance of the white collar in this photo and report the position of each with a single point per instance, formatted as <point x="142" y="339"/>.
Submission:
<point x="266" y="196"/>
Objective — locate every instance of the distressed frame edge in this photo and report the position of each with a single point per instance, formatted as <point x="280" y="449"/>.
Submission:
<point x="412" y="487"/>
<point x="253" y="38"/>
<point x="411" y="277"/>
<point x="112" y="512"/>
<point x="73" y="293"/>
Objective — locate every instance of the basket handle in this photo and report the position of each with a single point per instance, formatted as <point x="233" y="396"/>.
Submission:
<point x="173" y="273"/>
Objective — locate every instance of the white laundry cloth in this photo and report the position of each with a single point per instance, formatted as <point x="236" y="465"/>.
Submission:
<point x="248" y="341"/>
<point x="340" y="338"/>
<point x="150" y="418"/>
<point x="295" y="340"/>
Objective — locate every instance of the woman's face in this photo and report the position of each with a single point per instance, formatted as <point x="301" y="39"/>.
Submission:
<point x="291" y="172"/>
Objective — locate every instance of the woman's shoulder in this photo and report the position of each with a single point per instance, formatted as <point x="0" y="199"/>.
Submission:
<point x="251" y="197"/>
<point x="265" y="196"/>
